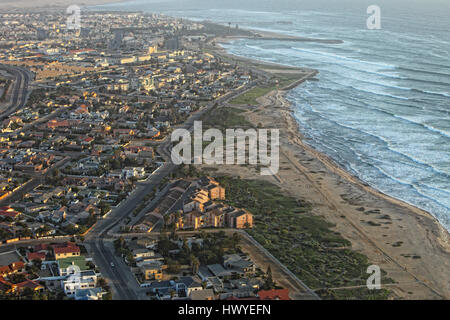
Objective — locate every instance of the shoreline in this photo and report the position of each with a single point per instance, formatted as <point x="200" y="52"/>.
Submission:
<point x="332" y="164"/>
<point x="341" y="195"/>
<point x="326" y="159"/>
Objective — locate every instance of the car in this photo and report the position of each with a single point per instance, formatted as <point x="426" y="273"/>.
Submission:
<point x="112" y="264"/>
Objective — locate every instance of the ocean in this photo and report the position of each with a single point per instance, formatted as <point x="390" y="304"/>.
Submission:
<point x="381" y="105"/>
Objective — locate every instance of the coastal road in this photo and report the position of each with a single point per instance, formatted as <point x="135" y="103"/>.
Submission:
<point x="20" y="90"/>
<point x="96" y="239"/>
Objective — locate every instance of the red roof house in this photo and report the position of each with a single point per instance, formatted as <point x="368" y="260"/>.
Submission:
<point x="66" y="250"/>
<point x="8" y="212"/>
<point x="31" y="284"/>
<point x="35" y="255"/>
<point x="17" y="266"/>
<point x="41" y="247"/>
<point x="275" y="294"/>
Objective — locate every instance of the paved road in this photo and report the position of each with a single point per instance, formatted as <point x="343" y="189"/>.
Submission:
<point x="20" y="90"/>
<point x="303" y="290"/>
<point x="103" y="254"/>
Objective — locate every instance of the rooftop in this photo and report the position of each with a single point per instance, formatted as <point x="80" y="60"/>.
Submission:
<point x="275" y="294"/>
<point x="79" y="261"/>
<point x="6" y="258"/>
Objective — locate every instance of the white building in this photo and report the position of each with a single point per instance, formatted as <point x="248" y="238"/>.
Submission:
<point x="79" y="280"/>
<point x="136" y="172"/>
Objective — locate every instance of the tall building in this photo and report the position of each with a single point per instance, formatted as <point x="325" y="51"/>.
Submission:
<point x="172" y="44"/>
<point x="41" y="34"/>
<point x="116" y="42"/>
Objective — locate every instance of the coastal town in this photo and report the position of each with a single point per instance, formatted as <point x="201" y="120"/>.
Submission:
<point x="89" y="129"/>
<point x="85" y="118"/>
<point x="92" y="206"/>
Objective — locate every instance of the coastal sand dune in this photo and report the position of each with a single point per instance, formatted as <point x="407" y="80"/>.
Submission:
<point x="406" y="242"/>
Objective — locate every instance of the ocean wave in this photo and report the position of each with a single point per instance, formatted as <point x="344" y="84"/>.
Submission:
<point x="377" y="83"/>
<point x="443" y="94"/>
<point x="425" y="81"/>
<point x="410" y="69"/>
<point x="414" y="187"/>
<point x="386" y="142"/>
<point x="374" y="92"/>
<point x="355" y="168"/>
<point x="328" y="54"/>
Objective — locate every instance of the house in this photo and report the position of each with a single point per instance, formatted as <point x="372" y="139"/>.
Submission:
<point x="59" y="215"/>
<point x="35" y="256"/>
<point x="67" y="250"/>
<point x="189" y="285"/>
<point x="240" y="219"/>
<point x="86" y="279"/>
<point x="166" y="290"/>
<point x="216" y="218"/>
<point x="245" y="283"/>
<point x="6" y="286"/>
<point x="4" y="271"/>
<point x="9" y="212"/>
<point x="147" y="224"/>
<point x="218" y="271"/>
<point x="89" y="163"/>
<point x="133" y="172"/>
<point x="30" y="284"/>
<point x="17" y="266"/>
<point x="274" y="294"/>
<point x="148" y="260"/>
<point x="88" y="294"/>
<point x="139" y="254"/>
<point x="237" y="262"/>
<point x="204" y="294"/>
<point x="215" y="192"/>
<point x="72" y="265"/>
<point x="42" y="247"/>
<point x="53" y="124"/>
<point x="162" y="289"/>
<point x="195" y="219"/>
<point x="196" y="202"/>
<point x="212" y="187"/>
<point x="87" y="141"/>
<point x="123" y="133"/>
<point x="14" y="267"/>
<point x="152" y="271"/>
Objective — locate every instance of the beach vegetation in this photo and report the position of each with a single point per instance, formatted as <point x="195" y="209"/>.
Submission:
<point x="306" y="244"/>
<point x="224" y="118"/>
<point x="250" y="96"/>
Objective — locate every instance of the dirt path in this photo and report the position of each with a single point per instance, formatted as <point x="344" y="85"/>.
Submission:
<point x="406" y="242"/>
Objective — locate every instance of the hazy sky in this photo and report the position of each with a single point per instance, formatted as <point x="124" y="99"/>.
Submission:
<point x="426" y="6"/>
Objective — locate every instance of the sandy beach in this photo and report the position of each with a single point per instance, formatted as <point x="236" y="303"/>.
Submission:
<point x="408" y="243"/>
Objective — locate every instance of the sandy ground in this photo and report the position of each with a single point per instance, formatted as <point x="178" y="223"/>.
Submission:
<point x="350" y="204"/>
